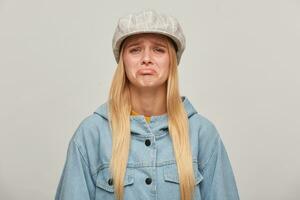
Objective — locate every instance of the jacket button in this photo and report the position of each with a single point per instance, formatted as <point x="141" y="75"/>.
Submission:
<point x="147" y="142"/>
<point x="110" y="181"/>
<point x="148" y="181"/>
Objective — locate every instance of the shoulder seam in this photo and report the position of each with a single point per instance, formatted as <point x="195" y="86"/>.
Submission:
<point x="212" y="154"/>
<point x="95" y="113"/>
<point x="81" y="153"/>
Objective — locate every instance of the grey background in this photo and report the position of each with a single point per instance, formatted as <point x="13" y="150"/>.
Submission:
<point x="240" y="70"/>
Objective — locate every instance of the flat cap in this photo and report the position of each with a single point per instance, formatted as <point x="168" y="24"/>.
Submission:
<point x="148" y="21"/>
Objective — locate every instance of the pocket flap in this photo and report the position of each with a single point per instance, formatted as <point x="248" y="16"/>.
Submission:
<point x="103" y="179"/>
<point x="171" y="174"/>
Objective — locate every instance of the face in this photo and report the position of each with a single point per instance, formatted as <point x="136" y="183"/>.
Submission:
<point x="146" y="60"/>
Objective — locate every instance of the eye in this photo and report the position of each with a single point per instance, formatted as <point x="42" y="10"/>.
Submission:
<point x="134" y="50"/>
<point x="160" y="50"/>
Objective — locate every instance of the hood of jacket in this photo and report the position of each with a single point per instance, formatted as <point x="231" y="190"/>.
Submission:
<point x="158" y="123"/>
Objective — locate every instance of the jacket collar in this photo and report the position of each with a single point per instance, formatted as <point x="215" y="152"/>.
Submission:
<point x="157" y="125"/>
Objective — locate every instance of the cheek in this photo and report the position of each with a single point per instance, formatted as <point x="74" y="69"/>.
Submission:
<point x="165" y="65"/>
<point x="166" y="73"/>
<point x="128" y="66"/>
<point x="165" y="60"/>
<point x="130" y="71"/>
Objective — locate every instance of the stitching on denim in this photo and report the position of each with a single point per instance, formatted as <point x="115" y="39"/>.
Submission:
<point x="213" y="153"/>
<point x="81" y="154"/>
<point x="142" y="164"/>
<point x="93" y="172"/>
<point x="100" y="115"/>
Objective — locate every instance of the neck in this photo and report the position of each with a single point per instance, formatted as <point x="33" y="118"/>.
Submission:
<point x="148" y="102"/>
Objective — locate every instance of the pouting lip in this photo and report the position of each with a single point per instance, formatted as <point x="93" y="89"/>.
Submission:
<point x="146" y="71"/>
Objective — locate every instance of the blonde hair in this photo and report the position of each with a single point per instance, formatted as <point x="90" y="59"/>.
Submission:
<point x="119" y="118"/>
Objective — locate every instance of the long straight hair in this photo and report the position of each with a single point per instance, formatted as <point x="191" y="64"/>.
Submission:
<point x="119" y="120"/>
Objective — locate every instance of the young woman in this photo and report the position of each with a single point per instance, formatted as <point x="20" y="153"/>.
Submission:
<point x="147" y="141"/>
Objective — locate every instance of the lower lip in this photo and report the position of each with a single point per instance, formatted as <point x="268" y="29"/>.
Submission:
<point x="146" y="72"/>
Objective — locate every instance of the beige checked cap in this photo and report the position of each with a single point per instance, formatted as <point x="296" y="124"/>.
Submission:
<point x="148" y="21"/>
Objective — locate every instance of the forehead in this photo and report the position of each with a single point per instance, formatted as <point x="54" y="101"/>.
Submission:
<point x="152" y="37"/>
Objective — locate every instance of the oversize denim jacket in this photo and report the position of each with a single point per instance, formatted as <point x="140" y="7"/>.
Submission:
<point x="151" y="172"/>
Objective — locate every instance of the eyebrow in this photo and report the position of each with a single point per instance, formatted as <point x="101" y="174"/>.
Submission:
<point x="137" y="43"/>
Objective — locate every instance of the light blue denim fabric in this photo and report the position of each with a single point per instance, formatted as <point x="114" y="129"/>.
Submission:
<point x="86" y="174"/>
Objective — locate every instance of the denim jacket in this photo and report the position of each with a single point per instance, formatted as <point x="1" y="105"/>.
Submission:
<point x="151" y="172"/>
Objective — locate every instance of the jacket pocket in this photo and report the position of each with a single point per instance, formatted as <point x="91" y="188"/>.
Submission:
<point x="171" y="174"/>
<point x="105" y="181"/>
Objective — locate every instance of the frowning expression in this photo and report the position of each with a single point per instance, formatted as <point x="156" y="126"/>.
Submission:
<point x="146" y="60"/>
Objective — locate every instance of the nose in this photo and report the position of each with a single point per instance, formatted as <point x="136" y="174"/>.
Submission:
<point x="146" y="59"/>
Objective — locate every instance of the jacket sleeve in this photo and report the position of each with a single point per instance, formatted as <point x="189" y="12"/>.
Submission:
<point x="219" y="181"/>
<point x="76" y="181"/>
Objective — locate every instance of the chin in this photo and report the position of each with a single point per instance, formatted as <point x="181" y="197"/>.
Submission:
<point x="147" y="85"/>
